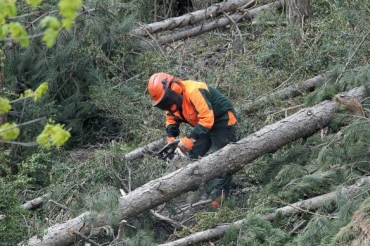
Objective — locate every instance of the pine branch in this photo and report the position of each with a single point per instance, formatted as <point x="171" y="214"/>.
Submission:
<point x="230" y="159"/>
<point x="298" y="207"/>
<point x="85" y="238"/>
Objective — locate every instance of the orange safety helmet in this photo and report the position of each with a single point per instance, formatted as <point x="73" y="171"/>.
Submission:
<point x="159" y="87"/>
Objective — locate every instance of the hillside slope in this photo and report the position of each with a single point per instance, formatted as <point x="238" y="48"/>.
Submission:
<point x="246" y="61"/>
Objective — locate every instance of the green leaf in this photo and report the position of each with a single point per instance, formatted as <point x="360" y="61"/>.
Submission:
<point x="50" y="37"/>
<point x="4" y="105"/>
<point x="41" y="90"/>
<point x="53" y="135"/>
<point x="68" y="10"/>
<point x="9" y="131"/>
<point x="33" y="3"/>
<point x="4" y="30"/>
<point x="7" y="8"/>
<point x="19" y="34"/>
<point x="51" y="22"/>
<point x="27" y="93"/>
<point x="51" y="32"/>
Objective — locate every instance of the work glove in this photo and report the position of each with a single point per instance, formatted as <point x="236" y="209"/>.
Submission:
<point x="170" y="139"/>
<point x="186" y="144"/>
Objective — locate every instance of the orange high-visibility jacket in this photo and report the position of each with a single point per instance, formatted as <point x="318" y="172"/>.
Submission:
<point x="203" y="107"/>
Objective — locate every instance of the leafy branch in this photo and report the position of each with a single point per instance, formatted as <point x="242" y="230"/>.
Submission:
<point x="52" y="135"/>
<point x="8" y="11"/>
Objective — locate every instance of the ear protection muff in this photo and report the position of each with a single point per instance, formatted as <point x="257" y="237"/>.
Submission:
<point x="164" y="83"/>
<point x="176" y="87"/>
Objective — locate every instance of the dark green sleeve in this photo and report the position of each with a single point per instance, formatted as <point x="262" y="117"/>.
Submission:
<point x="173" y="130"/>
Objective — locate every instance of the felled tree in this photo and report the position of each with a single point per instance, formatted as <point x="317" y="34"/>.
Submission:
<point x="230" y="159"/>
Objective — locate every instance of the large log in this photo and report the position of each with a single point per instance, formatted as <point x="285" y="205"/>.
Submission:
<point x="131" y="156"/>
<point x="231" y="158"/>
<point x="140" y="152"/>
<point x="37" y="202"/>
<point x="190" y="18"/>
<point x="289" y="92"/>
<point x="295" y="208"/>
<point x="221" y="22"/>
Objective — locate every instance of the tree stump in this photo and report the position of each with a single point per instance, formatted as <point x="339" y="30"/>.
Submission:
<point x="297" y="11"/>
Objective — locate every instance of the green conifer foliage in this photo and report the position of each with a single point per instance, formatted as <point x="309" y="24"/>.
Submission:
<point x="98" y="80"/>
<point x="355" y="231"/>
<point x="255" y="231"/>
<point x="93" y="46"/>
<point x="12" y="228"/>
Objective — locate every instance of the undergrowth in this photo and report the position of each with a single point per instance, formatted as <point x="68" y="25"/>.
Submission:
<point x="245" y="63"/>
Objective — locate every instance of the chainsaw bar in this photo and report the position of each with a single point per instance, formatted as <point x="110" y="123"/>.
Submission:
<point x="168" y="151"/>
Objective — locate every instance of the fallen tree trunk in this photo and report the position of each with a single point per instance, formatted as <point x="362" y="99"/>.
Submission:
<point x="140" y="152"/>
<point x="190" y="18"/>
<point x="221" y="22"/>
<point x="230" y="159"/>
<point x="37" y="202"/>
<point x="133" y="155"/>
<point x="289" y="92"/>
<point x="298" y="207"/>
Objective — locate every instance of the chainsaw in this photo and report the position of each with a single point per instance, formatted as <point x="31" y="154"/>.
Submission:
<point x="170" y="152"/>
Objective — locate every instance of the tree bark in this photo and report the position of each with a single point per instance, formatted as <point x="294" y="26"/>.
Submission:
<point x="140" y="152"/>
<point x="190" y="18"/>
<point x="3" y="117"/>
<point x="289" y="92"/>
<point x="230" y="159"/>
<point x="133" y="155"/>
<point x="298" y="207"/>
<point x="221" y="22"/>
<point x="37" y="202"/>
<point x="297" y="11"/>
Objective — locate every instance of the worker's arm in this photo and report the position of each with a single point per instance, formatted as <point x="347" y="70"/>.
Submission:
<point x="200" y="99"/>
<point x="172" y="125"/>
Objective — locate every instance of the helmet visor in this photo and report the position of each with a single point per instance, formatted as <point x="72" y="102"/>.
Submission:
<point x="169" y="98"/>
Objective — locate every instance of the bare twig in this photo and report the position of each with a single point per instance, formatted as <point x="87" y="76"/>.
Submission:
<point x="242" y="8"/>
<point x="168" y="220"/>
<point x="223" y="66"/>
<point x="30" y="144"/>
<point x="121" y="230"/>
<point x="287" y="79"/>
<point x="238" y="30"/>
<point x="24" y="124"/>
<point x="361" y="169"/>
<point x="155" y="41"/>
<point x="40" y="17"/>
<point x="85" y="238"/>
<point x="285" y="110"/>
<point x="13" y="18"/>
<point x="350" y="58"/>
<point x="200" y="203"/>
<point x="59" y="205"/>
<point x="300" y="224"/>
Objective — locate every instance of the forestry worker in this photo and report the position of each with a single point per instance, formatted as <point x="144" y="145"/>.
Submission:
<point x="209" y="112"/>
